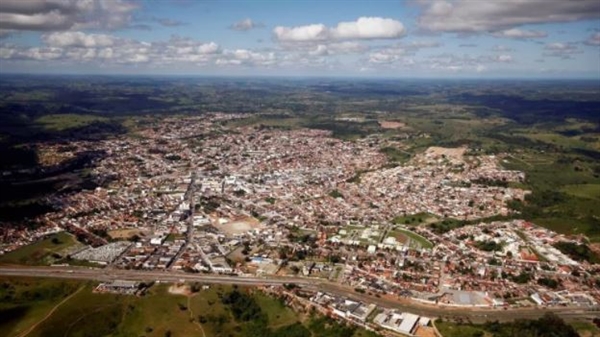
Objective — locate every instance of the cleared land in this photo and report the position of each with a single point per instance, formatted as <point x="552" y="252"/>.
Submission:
<point x="239" y="226"/>
<point x="124" y="233"/>
<point x="414" y="237"/>
<point x="391" y="124"/>
<point x="60" y="122"/>
<point x="41" y="252"/>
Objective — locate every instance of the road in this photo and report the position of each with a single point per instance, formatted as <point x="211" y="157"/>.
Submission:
<point x="475" y="315"/>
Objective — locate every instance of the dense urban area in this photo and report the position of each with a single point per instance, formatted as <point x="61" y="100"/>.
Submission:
<point x="214" y="194"/>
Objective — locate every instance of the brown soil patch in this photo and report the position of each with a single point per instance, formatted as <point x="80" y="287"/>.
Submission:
<point x="425" y="331"/>
<point x="391" y="125"/>
<point x="180" y="289"/>
<point x="125" y="233"/>
<point x="239" y="226"/>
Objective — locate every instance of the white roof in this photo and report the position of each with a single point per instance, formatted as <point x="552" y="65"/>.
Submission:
<point x="408" y="323"/>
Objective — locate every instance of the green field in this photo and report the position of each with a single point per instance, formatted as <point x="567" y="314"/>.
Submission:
<point x="414" y="219"/>
<point x="548" y="325"/>
<point x="422" y="242"/>
<point x="586" y="329"/>
<point x="591" y="191"/>
<point x="448" y="329"/>
<point x="60" y="122"/>
<point x="48" y="308"/>
<point x="41" y="252"/>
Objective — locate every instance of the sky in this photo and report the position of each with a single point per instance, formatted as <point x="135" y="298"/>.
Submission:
<point x="354" y="38"/>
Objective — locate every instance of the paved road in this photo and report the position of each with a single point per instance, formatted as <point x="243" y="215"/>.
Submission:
<point x="474" y="314"/>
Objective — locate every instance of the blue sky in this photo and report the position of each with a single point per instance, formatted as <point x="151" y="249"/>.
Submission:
<point x="404" y="39"/>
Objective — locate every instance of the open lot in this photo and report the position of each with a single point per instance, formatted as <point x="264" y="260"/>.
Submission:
<point x="414" y="238"/>
<point x="41" y="252"/>
<point x="125" y="233"/>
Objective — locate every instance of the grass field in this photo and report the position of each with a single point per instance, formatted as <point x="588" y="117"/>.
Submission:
<point x="40" y="252"/>
<point x="44" y="307"/>
<point x="575" y="208"/>
<point x="415" y="219"/>
<point x="25" y="301"/>
<point x="60" y="122"/>
<point x="279" y="315"/>
<point x="416" y="238"/>
<point x="586" y="329"/>
<point x="591" y="191"/>
<point x="448" y="329"/>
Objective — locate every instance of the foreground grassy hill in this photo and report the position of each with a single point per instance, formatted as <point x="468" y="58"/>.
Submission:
<point x="48" y="308"/>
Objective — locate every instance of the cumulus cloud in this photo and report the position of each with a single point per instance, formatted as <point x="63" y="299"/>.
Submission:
<point x="48" y="15"/>
<point x="77" y="39"/>
<point x="107" y="49"/>
<point x="367" y="28"/>
<point x="516" y="33"/>
<point x="467" y="16"/>
<point x="400" y="52"/>
<point x="398" y="59"/>
<point x="168" y="22"/>
<point x="503" y="58"/>
<point x="246" y="57"/>
<point x="501" y="48"/>
<point x="245" y="25"/>
<point x="564" y="50"/>
<point x="593" y="40"/>
<point x="6" y="33"/>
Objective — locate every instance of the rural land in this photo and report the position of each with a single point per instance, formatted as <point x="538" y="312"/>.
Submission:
<point x="290" y="207"/>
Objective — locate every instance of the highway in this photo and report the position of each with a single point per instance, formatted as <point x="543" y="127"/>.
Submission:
<point x="475" y="315"/>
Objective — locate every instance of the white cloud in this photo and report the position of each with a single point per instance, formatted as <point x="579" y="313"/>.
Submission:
<point x="77" y="39"/>
<point x="364" y="28"/>
<point x="467" y="16"/>
<point x="501" y="48"/>
<point x="399" y="52"/>
<point x="246" y="57"/>
<point x="317" y="32"/>
<point x="246" y="24"/>
<point x="593" y="40"/>
<point x="167" y="22"/>
<point x="368" y="28"/>
<point x="560" y="46"/>
<point x="208" y="48"/>
<point x="48" y="15"/>
<point x="503" y="58"/>
<point x="107" y="49"/>
<point x="563" y="50"/>
<point x="516" y="33"/>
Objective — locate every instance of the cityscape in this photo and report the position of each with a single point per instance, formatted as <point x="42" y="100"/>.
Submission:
<point x="381" y="168"/>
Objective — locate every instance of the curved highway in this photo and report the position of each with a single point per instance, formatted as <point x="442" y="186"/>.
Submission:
<point x="473" y="314"/>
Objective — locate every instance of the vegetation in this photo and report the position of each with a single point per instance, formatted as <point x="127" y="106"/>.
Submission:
<point x="549" y="325"/>
<point x="219" y="311"/>
<point x="336" y="194"/>
<point x="488" y="246"/>
<point x="421" y="241"/>
<point x="43" y="252"/>
<point x="578" y="252"/>
<point x="395" y="155"/>
<point x="60" y="122"/>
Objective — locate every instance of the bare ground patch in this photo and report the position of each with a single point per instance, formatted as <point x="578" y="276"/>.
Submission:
<point x="391" y="125"/>
<point x="125" y="233"/>
<point x="239" y="226"/>
<point x="180" y="289"/>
